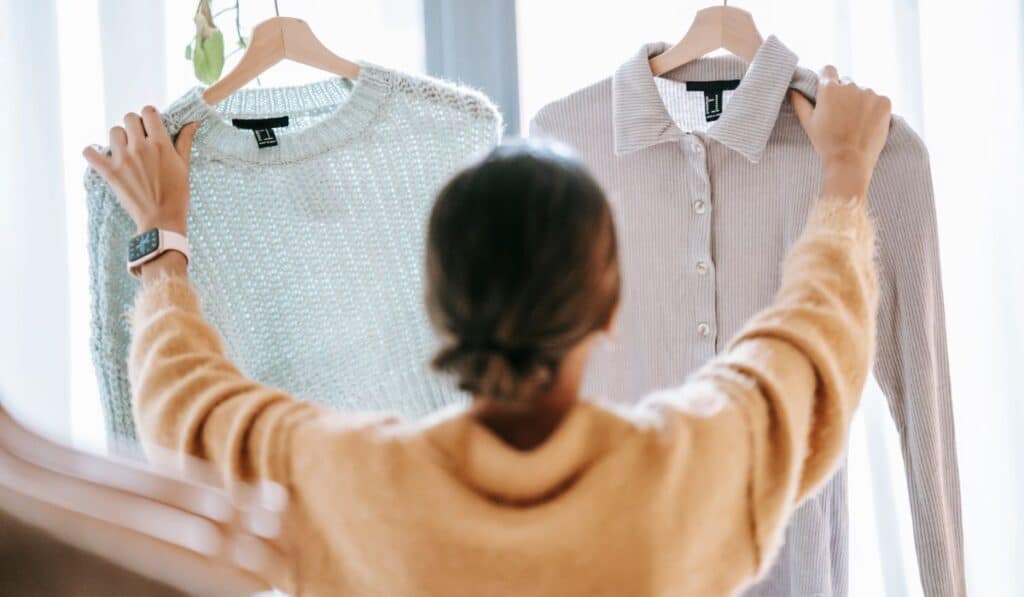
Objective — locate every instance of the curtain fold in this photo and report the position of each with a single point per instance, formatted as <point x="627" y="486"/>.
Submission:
<point x="134" y="71"/>
<point x="33" y="254"/>
<point x="974" y="119"/>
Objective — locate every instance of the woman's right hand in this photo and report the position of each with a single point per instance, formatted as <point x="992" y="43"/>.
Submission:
<point x="848" y="127"/>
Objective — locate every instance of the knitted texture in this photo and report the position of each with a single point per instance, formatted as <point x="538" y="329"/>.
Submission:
<point x="308" y="254"/>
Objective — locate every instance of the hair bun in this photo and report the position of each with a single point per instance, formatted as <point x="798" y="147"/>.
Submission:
<point x="496" y="370"/>
<point x="521" y="267"/>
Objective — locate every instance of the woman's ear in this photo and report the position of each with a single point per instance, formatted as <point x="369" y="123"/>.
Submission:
<point x="612" y="327"/>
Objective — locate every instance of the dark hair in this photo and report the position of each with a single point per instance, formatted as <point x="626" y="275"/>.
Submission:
<point x="522" y="265"/>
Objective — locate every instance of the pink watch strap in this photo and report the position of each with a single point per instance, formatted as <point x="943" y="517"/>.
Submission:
<point x="169" y="241"/>
<point x="172" y="241"/>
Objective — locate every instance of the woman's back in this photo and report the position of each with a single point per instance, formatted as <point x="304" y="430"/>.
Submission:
<point x="684" y="494"/>
<point x="449" y="509"/>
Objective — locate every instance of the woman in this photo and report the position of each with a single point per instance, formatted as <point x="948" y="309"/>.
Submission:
<point x="531" y="491"/>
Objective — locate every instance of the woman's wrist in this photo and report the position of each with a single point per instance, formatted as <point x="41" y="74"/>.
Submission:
<point x="170" y="264"/>
<point x="846" y="178"/>
<point x="174" y="224"/>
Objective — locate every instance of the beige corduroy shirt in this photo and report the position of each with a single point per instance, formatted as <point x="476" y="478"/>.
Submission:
<point x="685" y="493"/>
<point x="709" y="190"/>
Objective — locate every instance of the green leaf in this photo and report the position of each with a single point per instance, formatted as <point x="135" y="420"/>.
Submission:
<point x="199" y="62"/>
<point x="188" y="52"/>
<point x="208" y="57"/>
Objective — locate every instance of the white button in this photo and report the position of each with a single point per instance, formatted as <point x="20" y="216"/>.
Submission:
<point x="704" y="330"/>
<point x="697" y="148"/>
<point x="699" y="206"/>
<point x="702" y="268"/>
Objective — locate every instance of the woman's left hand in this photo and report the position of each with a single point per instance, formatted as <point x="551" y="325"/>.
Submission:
<point x="149" y="173"/>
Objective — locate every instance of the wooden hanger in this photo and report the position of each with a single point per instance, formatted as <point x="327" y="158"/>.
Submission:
<point x="716" y="27"/>
<point x="272" y="41"/>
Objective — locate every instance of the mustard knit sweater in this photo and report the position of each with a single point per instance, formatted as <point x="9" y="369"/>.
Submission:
<point x="685" y="493"/>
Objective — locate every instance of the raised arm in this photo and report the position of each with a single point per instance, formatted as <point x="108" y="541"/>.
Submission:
<point x="187" y="395"/>
<point x="822" y="321"/>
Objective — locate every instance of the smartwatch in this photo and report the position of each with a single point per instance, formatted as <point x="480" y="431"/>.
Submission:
<point x="153" y="243"/>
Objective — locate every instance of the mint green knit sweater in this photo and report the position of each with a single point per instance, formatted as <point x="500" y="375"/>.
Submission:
<point x="308" y="254"/>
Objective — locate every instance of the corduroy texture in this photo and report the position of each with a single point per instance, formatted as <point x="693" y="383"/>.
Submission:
<point x="686" y="493"/>
<point x="308" y="254"/>
<point x="706" y="212"/>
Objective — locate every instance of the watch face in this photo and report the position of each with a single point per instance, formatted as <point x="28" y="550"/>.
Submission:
<point x="143" y="244"/>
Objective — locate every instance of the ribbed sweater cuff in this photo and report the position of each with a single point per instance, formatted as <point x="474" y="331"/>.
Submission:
<point x="162" y="293"/>
<point x="844" y="217"/>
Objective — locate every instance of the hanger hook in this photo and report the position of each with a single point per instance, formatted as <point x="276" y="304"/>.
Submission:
<point x="278" y="12"/>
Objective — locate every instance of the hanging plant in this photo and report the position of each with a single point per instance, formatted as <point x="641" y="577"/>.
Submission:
<point x="206" y="50"/>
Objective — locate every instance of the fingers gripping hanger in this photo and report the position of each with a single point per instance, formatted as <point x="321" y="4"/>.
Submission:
<point x="713" y="28"/>
<point x="276" y="39"/>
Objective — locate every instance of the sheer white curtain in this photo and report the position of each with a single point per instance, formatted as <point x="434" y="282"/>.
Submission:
<point x="33" y="257"/>
<point x="70" y="68"/>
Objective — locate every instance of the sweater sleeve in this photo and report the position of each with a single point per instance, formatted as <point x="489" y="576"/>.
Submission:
<point x="188" y="397"/>
<point x="791" y="379"/>
<point x="112" y="290"/>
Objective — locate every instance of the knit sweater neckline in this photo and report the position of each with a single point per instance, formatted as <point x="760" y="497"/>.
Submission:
<point x="346" y="110"/>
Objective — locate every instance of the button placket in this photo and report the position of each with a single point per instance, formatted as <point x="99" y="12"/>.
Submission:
<point x="702" y="278"/>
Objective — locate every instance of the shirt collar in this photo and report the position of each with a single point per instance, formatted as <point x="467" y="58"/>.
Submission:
<point x="641" y="119"/>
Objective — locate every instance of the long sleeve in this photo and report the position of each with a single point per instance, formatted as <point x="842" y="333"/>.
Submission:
<point x="188" y="397"/>
<point x="796" y="372"/>
<point x="912" y="364"/>
<point x="111" y="292"/>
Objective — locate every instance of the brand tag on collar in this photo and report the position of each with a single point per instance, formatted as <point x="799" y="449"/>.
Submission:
<point x="713" y="92"/>
<point x="262" y="128"/>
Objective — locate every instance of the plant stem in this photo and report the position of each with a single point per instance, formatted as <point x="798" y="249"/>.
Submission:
<point x="238" y="24"/>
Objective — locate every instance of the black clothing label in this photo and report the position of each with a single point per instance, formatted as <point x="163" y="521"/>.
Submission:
<point x="262" y="128"/>
<point x="713" y="91"/>
<point x="253" y="124"/>
<point x="265" y="137"/>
